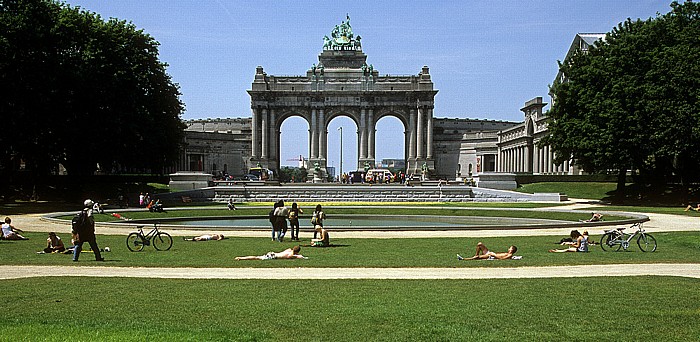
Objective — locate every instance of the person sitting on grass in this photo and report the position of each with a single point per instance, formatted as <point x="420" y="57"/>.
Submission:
<point x="289" y="253"/>
<point x="231" y="205"/>
<point x="206" y="237"/>
<point x="580" y="243"/>
<point x="483" y="253"/>
<point x="54" y="244"/>
<point x="690" y="207"/>
<point x="325" y="239"/>
<point x="9" y="232"/>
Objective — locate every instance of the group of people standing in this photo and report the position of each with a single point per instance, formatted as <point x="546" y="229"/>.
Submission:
<point x="280" y="215"/>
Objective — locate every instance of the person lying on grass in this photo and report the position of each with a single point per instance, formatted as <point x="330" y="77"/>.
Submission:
<point x="289" y="253"/>
<point x="690" y="207"/>
<point x="206" y="237"/>
<point x="580" y="243"/>
<point x="482" y="253"/>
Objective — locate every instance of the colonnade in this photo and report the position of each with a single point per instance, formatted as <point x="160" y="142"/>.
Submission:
<point x="539" y="161"/>
<point x="265" y="146"/>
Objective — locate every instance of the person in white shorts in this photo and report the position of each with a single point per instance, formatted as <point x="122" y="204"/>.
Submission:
<point x="289" y="253"/>
<point x="482" y="252"/>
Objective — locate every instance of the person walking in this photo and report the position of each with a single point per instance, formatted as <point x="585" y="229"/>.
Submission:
<point x="282" y="214"/>
<point x="84" y="226"/>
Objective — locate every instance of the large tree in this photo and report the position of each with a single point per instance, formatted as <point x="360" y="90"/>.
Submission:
<point x="80" y="90"/>
<point x="633" y="100"/>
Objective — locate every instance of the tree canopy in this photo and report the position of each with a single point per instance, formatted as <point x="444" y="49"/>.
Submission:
<point x="632" y="101"/>
<point x="80" y="90"/>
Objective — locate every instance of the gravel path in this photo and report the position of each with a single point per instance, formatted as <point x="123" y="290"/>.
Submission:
<point x="617" y="270"/>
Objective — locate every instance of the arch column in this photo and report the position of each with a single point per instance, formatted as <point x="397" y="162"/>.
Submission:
<point x="412" y="134"/>
<point x="322" y="136"/>
<point x="255" y="127"/>
<point x="363" y="136"/>
<point x="314" y="137"/>
<point x="429" y="145"/>
<point x="371" y="141"/>
<point x="419" y="133"/>
<point x="265" y="134"/>
<point x="273" y="140"/>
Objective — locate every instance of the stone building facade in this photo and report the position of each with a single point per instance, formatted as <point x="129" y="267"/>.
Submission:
<point x="519" y="150"/>
<point x="343" y="84"/>
<point x="216" y="146"/>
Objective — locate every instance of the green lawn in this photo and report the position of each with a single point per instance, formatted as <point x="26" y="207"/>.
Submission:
<point x="587" y="190"/>
<point x="109" y="309"/>
<point x="676" y="247"/>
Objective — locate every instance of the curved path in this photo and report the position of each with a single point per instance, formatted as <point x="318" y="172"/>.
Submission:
<point x="616" y="270"/>
<point x="657" y="223"/>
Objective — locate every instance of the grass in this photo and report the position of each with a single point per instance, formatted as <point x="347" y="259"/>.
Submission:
<point x="109" y="309"/>
<point x="675" y="247"/>
<point x="587" y="190"/>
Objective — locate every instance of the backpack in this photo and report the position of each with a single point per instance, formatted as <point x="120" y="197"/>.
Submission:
<point x="79" y="222"/>
<point x="315" y="219"/>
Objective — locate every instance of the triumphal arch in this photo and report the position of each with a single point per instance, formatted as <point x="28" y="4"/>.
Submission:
<point x="342" y="84"/>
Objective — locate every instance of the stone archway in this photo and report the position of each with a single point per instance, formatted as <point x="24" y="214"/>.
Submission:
<point x="342" y="83"/>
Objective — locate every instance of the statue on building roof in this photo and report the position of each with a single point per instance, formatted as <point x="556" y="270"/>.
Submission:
<point x="342" y="38"/>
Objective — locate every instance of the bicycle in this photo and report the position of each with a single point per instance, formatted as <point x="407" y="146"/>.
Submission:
<point x="615" y="239"/>
<point x="161" y="241"/>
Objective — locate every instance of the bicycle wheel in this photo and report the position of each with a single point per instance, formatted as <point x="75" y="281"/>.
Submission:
<point x="646" y="243"/>
<point x="607" y="242"/>
<point x="134" y="242"/>
<point x="162" y="241"/>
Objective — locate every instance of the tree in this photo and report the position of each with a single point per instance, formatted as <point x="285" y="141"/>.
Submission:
<point x="79" y="90"/>
<point x="633" y="100"/>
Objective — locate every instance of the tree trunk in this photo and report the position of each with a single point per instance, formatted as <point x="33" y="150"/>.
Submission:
<point x="621" y="181"/>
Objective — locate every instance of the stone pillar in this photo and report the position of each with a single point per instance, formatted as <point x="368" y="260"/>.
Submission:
<point x="314" y="138"/>
<point x="527" y="161"/>
<point x="363" y="136"/>
<point x="419" y="133"/>
<point x="412" y="135"/>
<point x="371" y="128"/>
<point x="255" y="149"/>
<point x="273" y="138"/>
<point x="323" y="133"/>
<point x="429" y="146"/>
<point x="265" y="133"/>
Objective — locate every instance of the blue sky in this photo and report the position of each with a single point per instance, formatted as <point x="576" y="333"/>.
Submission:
<point x="486" y="58"/>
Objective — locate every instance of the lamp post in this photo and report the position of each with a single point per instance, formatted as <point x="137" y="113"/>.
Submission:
<point x="340" y="174"/>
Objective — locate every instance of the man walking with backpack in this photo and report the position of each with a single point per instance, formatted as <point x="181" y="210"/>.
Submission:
<point x="84" y="226"/>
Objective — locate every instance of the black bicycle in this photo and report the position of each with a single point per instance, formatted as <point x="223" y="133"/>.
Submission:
<point x="137" y="241"/>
